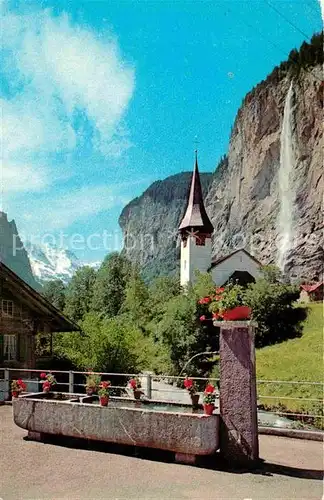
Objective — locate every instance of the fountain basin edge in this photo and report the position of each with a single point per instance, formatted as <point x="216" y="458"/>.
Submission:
<point x="182" y="433"/>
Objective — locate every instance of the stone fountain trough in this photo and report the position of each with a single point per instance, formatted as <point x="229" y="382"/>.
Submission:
<point x="153" y="424"/>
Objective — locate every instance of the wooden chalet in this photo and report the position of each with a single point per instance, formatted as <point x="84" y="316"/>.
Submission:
<point x="312" y="292"/>
<point x="24" y="313"/>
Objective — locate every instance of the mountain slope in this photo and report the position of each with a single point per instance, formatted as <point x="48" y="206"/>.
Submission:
<point x="243" y="200"/>
<point x="150" y="223"/>
<point x="295" y="360"/>
<point x="13" y="253"/>
<point x="50" y="263"/>
<point x="244" y="197"/>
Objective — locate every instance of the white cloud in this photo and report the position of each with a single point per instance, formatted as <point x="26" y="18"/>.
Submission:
<point x="55" y="71"/>
<point x="22" y="177"/>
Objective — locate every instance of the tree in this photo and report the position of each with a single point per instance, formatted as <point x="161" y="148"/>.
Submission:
<point x="136" y="300"/>
<point x="184" y="334"/>
<point x="109" y="289"/>
<point x="274" y="310"/>
<point x="178" y="330"/>
<point x="79" y="293"/>
<point x="203" y="285"/>
<point x="160" y="292"/>
<point x="109" y="345"/>
<point x="54" y="292"/>
<point x="272" y="274"/>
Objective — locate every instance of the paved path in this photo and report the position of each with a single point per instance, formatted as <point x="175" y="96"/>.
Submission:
<point x="31" y="470"/>
<point x="167" y="392"/>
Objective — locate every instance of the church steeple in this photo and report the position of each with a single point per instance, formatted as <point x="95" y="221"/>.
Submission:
<point x="196" y="217"/>
<point x="195" y="230"/>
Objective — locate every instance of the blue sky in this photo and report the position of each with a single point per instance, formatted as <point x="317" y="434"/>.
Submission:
<point x="101" y="98"/>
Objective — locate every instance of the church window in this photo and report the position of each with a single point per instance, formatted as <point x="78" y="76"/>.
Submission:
<point x="200" y="240"/>
<point x="184" y="242"/>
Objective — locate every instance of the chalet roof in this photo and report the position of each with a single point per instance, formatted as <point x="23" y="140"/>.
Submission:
<point x="313" y="287"/>
<point x="35" y="301"/>
<point x="228" y="256"/>
<point x="196" y="216"/>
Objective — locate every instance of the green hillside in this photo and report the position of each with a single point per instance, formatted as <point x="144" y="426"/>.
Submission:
<point x="297" y="360"/>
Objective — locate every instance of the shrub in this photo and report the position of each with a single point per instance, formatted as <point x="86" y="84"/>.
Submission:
<point x="273" y="308"/>
<point x="106" y="345"/>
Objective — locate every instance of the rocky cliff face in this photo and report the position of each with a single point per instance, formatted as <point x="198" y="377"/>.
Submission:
<point x="243" y="199"/>
<point x="12" y="252"/>
<point x="150" y="224"/>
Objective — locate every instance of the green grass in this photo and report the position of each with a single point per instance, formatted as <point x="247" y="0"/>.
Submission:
<point x="297" y="360"/>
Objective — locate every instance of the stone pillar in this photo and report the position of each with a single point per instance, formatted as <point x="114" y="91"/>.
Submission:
<point x="238" y="402"/>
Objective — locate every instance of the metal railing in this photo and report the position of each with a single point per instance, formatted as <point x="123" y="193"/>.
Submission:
<point x="312" y="406"/>
<point x="149" y="380"/>
<point x="166" y="387"/>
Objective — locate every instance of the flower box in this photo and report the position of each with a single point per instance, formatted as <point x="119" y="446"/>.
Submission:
<point x="238" y="313"/>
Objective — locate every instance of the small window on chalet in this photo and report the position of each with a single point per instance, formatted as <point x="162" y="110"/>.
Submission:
<point x="10" y="347"/>
<point x="7" y="308"/>
<point x="200" y="241"/>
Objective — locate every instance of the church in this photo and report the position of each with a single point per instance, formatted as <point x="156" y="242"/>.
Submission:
<point x="196" y="232"/>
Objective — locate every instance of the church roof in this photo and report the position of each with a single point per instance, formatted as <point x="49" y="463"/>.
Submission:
<point x="215" y="262"/>
<point x="196" y="216"/>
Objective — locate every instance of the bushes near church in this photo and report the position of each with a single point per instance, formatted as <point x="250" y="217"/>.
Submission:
<point x="158" y="325"/>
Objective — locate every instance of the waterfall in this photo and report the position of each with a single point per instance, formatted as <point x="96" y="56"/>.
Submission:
<point x="286" y="192"/>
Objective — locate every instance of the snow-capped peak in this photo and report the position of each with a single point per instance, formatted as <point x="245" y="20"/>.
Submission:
<point x="49" y="262"/>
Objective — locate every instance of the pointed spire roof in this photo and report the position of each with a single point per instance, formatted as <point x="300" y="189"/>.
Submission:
<point x="196" y="216"/>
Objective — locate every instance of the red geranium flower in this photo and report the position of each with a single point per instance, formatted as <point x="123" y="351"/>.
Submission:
<point x="105" y="384"/>
<point x="133" y="383"/>
<point x="220" y="290"/>
<point x="204" y="300"/>
<point x="188" y="383"/>
<point x="46" y="384"/>
<point x="202" y="318"/>
<point x="21" y="384"/>
<point x="43" y="375"/>
<point x="209" y="388"/>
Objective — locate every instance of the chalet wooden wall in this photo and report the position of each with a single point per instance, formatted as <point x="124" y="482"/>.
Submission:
<point x="20" y="324"/>
<point x="30" y="315"/>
